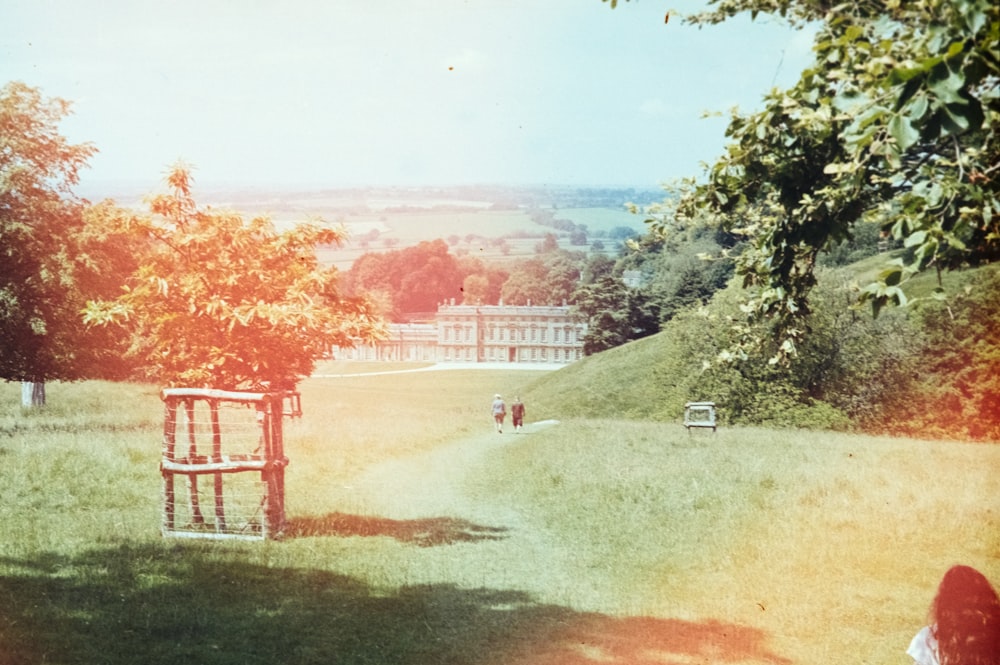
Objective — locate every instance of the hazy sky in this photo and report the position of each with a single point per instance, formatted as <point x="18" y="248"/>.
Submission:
<point x="333" y="93"/>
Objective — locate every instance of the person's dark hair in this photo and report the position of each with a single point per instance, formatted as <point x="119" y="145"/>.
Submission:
<point x="965" y="619"/>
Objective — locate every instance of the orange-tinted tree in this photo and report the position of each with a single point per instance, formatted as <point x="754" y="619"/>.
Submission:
<point x="50" y="263"/>
<point x="412" y="279"/>
<point x="226" y="303"/>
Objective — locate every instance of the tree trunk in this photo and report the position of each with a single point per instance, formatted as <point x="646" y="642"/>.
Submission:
<point x="32" y="394"/>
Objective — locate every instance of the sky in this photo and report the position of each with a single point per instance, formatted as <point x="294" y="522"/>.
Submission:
<point x="328" y="93"/>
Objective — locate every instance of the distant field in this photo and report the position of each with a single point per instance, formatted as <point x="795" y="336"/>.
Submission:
<point x="403" y="217"/>
<point x="378" y="221"/>
<point x="473" y="231"/>
<point x="602" y="219"/>
<point x="412" y="227"/>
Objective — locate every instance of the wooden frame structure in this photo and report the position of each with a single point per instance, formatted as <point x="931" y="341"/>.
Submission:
<point x="291" y="404"/>
<point x="198" y="442"/>
<point x="699" y="414"/>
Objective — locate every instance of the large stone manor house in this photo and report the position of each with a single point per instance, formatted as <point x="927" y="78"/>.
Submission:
<point x="481" y="333"/>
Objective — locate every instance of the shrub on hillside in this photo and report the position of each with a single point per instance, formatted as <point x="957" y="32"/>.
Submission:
<point x="929" y="372"/>
<point x="845" y="370"/>
<point x="957" y="394"/>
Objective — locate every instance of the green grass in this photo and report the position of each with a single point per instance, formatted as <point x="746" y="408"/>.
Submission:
<point x="608" y="384"/>
<point x="417" y="535"/>
<point x="920" y="286"/>
<point x="811" y="537"/>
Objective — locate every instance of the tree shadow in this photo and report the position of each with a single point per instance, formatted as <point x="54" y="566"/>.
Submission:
<point x="424" y="532"/>
<point x="188" y="603"/>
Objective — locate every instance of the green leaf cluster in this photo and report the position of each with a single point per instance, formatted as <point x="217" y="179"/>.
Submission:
<point x="894" y="124"/>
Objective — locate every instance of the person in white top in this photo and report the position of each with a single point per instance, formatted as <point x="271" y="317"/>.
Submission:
<point x="964" y="627"/>
<point x="499" y="411"/>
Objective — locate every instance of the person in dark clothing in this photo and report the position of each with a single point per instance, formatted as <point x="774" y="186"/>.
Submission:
<point x="517" y="413"/>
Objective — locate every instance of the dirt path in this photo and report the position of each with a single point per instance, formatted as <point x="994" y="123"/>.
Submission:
<point x="495" y="545"/>
<point x="436" y="484"/>
<point x="505" y="549"/>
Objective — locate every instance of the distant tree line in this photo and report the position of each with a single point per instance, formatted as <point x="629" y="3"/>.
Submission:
<point x="667" y="276"/>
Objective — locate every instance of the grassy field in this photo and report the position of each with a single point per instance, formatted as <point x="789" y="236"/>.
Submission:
<point x="405" y="229"/>
<point x="602" y="219"/>
<point x="417" y="535"/>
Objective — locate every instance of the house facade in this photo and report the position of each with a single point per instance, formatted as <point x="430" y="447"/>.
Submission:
<point x="482" y="333"/>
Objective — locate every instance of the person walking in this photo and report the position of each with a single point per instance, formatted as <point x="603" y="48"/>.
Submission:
<point x="499" y="412"/>
<point x="517" y="414"/>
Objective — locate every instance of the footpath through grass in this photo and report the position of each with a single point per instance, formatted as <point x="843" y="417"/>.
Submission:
<point x="417" y="535"/>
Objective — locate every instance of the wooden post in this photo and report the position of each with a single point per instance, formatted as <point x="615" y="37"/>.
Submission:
<point x="273" y="473"/>
<point x="196" y="515"/>
<point x="264" y="417"/>
<point x="220" y="508"/>
<point x="278" y="462"/>
<point x="169" y="454"/>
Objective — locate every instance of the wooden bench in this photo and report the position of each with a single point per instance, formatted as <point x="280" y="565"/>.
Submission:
<point x="699" y="414"/>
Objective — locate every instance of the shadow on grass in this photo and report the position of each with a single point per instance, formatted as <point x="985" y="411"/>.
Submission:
<point x="174" y="604"/>
<point x="425" y="532"/>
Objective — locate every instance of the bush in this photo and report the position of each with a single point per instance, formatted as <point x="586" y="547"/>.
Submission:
<point x="847" y="368"/>
<point x="957" y="392"/>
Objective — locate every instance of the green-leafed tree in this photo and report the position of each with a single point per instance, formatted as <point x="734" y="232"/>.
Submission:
<point x="546" y="279"/>
<point x="895" y="124"/>
<point x="614" y="313"/>
<point x="430" y="276"/>
<point x="50" y="263"/>
<point x="221" y="302"/>
<point x="957" y="391"/>
<point x="681" y="269"/>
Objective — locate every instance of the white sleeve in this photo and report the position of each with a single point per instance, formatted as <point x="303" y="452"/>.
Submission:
<point x="923" y="648"/>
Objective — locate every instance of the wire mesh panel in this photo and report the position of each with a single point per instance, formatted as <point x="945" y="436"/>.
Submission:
<point x="223" y="464"/>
